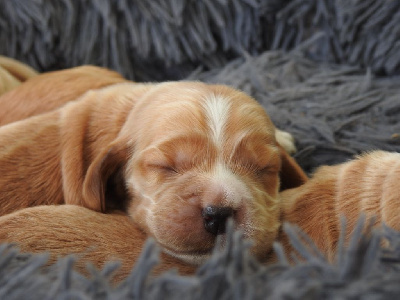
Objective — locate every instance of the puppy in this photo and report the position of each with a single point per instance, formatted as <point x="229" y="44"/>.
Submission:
<point x="177" y="157"/>
<point x="13" y="73"/>
<point x="48" y="91"/>
<point x="92" y="237"/>
<point x="368" y="184"/>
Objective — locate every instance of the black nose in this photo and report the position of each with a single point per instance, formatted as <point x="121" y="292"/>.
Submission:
<point x="215" y="218"/>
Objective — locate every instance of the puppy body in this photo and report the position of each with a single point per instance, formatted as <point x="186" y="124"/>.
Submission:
<point x="368" y="184"/>
<point x="92" y="237"/>
<point x="48" y="91"/>
<point x="162" y="153"/>
<point x="45" y="157"/>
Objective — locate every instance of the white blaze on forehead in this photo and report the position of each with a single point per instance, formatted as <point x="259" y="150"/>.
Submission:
<point x="217" y="110"/>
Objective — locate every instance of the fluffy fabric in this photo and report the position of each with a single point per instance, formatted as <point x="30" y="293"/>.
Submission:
<point x="324" y="70"/>
<point x="170" y="38"/>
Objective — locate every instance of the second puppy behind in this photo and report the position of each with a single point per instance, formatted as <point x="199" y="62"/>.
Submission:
<point x="366" y="185"/>
<point x="48" y="91"/>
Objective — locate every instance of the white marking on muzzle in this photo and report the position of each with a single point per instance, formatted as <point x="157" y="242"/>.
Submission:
<point x="235" y="190"/>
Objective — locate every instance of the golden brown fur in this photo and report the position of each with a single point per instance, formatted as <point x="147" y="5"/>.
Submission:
<point x="48" y="91"/>
<point x="368" y="184"/>
<point x="92" y="237"/>
<point x="156" y="152"/>
<point x="13" y="73"/>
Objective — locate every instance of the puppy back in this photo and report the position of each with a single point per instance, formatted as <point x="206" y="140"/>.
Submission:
<point x="366" y="185"/>
<point x="51" y="90"/>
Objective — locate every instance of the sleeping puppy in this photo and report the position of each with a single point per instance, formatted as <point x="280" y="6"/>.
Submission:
<point x="51" y="90"/>
<point x="177" y="157"/>
<point x="92" y="237"/>
<point x="13" y="73"/>
<point x="368" y="184"/>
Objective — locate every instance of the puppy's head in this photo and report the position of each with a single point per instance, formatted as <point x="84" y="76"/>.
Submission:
<point x="194" y="155"/>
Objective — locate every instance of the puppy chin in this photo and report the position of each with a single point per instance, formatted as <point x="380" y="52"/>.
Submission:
<point x="190" y="258"/>
<point x="198" y="258"/>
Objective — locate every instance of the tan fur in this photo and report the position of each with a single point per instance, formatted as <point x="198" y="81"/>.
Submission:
<point x="13" y="73"/>
<point x="368" y="184"/>
<point x="51" y="90"/>
<point x="147" y="149"/>
<point x="90" y="236"/>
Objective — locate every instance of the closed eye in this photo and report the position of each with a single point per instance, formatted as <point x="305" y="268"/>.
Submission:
<point x="165" y="168"/>
<point x="169" y="169"/>
<point x="269" y="169"/>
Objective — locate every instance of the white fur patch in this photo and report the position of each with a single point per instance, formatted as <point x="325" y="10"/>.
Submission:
<point x="286" y="140"/>
<point x="234" y="189"/>
<point x="217" y="112"/>
<point x="194" y="259"/>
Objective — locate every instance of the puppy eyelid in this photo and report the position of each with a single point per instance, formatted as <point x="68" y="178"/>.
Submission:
<point x="169" y="169"/>
<point x="166" y="168"/>
<point x="266" y="169"/>
<point x="270" y="168"/>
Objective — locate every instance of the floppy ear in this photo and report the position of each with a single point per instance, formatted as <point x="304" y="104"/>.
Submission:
<point x="104" y="185"/>
<point x="291" y="174"/>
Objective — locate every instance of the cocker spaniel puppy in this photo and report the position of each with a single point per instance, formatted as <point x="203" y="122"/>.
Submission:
<point x="367" y="185"/>
<point x="178" y="157"/>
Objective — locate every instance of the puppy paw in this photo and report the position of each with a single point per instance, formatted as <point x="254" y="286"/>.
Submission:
<point x="286" y="140"/>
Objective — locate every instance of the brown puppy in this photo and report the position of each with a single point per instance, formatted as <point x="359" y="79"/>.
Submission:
<point x="93" y="237"/>
<point x="51" y="90"/>
<point x="368" y="184"/>
<point x="13" y="73"/>
<point x="178" y="157"/>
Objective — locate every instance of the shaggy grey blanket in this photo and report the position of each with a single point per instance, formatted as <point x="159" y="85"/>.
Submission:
<point x="324" y="70"/>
